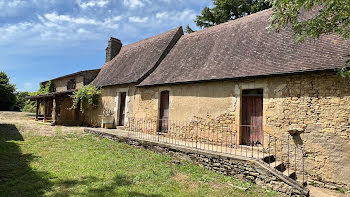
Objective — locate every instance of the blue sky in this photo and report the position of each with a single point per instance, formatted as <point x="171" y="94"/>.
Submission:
<point x="44" y="39"/>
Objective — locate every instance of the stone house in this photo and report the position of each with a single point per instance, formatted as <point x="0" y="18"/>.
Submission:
<point x="238" y="73"/>
<point x="125" y="67"/>
<point x="56" y="106"/>
<point x="257" y="83"/>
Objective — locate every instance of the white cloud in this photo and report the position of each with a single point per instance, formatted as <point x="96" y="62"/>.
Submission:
<point x="133" y="3"/>
<point x="162" y="15"/>
<point x="11" y="4"/>
<point x="55" y="18"/>
<point x="136" y="19"/>
<point x="92" y="3"/>
<point x="55" y="27"/>
<point x="176" y="16"/>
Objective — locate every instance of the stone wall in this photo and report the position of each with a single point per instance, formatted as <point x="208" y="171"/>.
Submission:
<point x="320" y="101"/>
<point x="245" y="169"/>
<point x="61" y="84"/>
<point x="317" y="100"/>
<point x="109" y="104"/>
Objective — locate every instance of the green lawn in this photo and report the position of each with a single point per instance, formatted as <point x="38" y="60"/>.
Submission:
<point x="84" y="165"/>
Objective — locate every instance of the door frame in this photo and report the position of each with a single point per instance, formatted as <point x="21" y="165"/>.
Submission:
<point x="159" y="102"/>
<point x="241" y="116"/>
<point x="117" y="106"/>
<point x="238" y="89"/>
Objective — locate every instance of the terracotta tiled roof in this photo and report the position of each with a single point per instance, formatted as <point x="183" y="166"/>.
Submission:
<point x="243" y="48"/>
<point x="135" y="61"/>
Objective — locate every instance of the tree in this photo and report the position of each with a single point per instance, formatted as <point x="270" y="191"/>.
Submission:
<point x="30" y="106"/>
<point x="188" y="29"/>
<point x="323" y="17"/>
<point x="226" y="10"/>
<point x="7" y="93"/>
<point x="20" y="100"/>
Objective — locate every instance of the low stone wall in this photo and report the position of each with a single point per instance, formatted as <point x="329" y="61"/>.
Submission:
<point x="243" y="168"/>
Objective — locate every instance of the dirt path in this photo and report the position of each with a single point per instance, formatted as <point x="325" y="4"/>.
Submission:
<point x="25" y="124"/>
<point x="321" y="192"/>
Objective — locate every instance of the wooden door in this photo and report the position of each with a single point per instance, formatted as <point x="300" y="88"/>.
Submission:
<point x="252" y="112"/>
<point x="122" y="108"/>
<point x="164" y="111"/>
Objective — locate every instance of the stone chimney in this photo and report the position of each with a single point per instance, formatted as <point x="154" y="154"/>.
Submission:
<point x="114" y="46"/>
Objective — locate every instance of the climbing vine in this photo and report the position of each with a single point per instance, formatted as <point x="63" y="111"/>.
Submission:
<point x="86" y="98"/>
<point x="44" y="89"/>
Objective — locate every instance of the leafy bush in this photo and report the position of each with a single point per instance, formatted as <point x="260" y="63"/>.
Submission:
<point x="87" y="97"/>
<point x="30" y="106"/>
<point x="20" y="100"/>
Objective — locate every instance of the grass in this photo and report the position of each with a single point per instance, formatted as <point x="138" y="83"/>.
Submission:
<point x="84" y="165"/>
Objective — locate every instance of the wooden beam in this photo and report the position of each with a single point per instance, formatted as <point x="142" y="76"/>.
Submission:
<point x="54" y="112"/>
<point x="37" y="110"/>
<point x="45" y="110"/>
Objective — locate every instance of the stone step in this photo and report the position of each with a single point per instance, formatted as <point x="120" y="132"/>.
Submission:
<point x="302" y="183"/>
<point x="255" y="148"/>
<point x="278" y="166"/>
<point x="269" y="159"/>
<point x="291" y="174"/>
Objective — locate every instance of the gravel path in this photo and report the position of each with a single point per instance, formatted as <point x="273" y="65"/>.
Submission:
<point x="25" y="123"/>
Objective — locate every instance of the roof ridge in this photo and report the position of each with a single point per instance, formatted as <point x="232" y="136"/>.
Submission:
<point x="228" y="22"/>
<point x="148" y="38"/>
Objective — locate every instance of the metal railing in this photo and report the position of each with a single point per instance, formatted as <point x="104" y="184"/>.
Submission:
<point x="281" y="155"/>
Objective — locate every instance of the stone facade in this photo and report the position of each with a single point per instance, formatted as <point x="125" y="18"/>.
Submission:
<point x="61" y="84"/>
<point x="61" y="93"/>
<point x="318" y="101"/>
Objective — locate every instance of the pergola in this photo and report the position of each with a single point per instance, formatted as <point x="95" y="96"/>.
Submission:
<point x="56" y="97"/>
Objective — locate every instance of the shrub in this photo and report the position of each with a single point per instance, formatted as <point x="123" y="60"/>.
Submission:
<point x="30" y="106"/>
<point x="86" y="98"/>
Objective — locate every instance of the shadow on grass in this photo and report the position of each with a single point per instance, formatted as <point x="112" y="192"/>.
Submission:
<point x="67" y="188"/>
<point x="17" y="178"/>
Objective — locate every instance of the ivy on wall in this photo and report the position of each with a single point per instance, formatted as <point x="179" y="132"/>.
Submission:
<point x="86" y="98"/>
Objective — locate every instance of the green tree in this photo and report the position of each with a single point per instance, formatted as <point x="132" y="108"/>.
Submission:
<point x="188" y="29"/>
<point x="226" y="10"/>
<point x="323" y="17"/>
<point x="20" y="100"/>
<point x="30" y="106"/>
<point x="7" y="93"/>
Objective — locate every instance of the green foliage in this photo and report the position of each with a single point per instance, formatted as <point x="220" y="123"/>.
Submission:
<point x="86" y="98"/>
<point x="44" y="88"/>
<point x="189" y="30"/>
<point x="30" y="106"/>
<point x="344" y="72"/>
<point x="20" y="100"/>
<point x="226" y="10"/>
<point x="341" y="190"/>
<point x="324" y="17"/>
<point x="7" y="93"/>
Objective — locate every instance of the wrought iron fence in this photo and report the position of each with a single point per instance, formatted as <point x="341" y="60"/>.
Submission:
<point x="279" y="154"/>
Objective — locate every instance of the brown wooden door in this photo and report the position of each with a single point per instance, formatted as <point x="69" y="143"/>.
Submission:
<point x="252" y="112"/>
<point x="164" y="111"/>
<point x="122" y="108"/>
